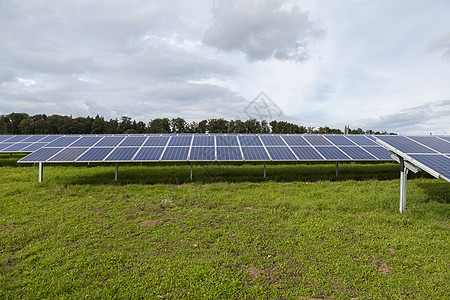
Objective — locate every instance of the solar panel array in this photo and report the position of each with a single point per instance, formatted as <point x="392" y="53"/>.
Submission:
<point x="24" y="143"/>
<point x="209" y="147"/>
<point x="430" y="153"/>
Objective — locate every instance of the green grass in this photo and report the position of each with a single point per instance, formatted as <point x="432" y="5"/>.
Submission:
<point x="229" y="234"/>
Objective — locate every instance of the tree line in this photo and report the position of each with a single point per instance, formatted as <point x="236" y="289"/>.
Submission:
<point x="22" y="123"/>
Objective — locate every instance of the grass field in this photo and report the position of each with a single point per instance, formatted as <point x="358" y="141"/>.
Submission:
<point x="230" y="234"/>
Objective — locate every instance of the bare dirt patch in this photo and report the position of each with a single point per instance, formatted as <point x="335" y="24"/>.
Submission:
<point x="248" y="208"/>
<point x="309" y="298"/>
<point x="149" y="223"/>
<point x="256" y="273"/>
<point x="384" y="270"/>
<point x="233" y="235"/>
<point x="392" y="251"/>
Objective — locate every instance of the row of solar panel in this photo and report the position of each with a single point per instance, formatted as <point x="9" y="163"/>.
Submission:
<point x="427" y="152"/>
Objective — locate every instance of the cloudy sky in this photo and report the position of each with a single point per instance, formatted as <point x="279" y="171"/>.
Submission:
<point x="383" y="65"/>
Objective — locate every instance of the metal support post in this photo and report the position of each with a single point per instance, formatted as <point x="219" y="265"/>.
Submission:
<point x="41" y="172"/>
<point x="190" y="175"/>
<point x="117" y="171"/>
<point x="265" y="170"/>
<point x="337" y="173"/>
<point x="10" y="155"/>
<point x="403" y="181"/>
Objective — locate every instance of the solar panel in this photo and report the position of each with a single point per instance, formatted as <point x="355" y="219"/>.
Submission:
<point x="110" y="141"/>
<point x="249" y="140"/>
<point x="357" y="153"/>
<point x="317" y="140"/>
<point x="361" y="140"/>
<point x="18" y="138"/>
<point x="306" y="153"/>
<point x="227" y="140"/>
<point x="438" y="163"/>
<point x="122" y="154"/>
<point x="5" y="145"/>
<point x="379" y="152"/>
<point x="203" y="140"/>
<point x="272" y="140"/>
<point x="95" y="154"/>
<point x="255" y="153"/>
<point x="4" y="138"/>
<point x="49" y="138"/>
<point x="17" y="147"/>
<point x="86" y="141"/>
<point x="156" y="141"/>
<point x="41" y="155"/>
<point x="228" y="153"/>
<point x="63" y="141"/>
<point x="339" y="140"/>
<point x="434" y="143"/>
<point x="182" y="140"/>
<point x="149" y="154"/>
<point x="133" y="141"/>
<point x="176" y="154"/>
<point x="34" y="138"/>
<point x="68" y="155"/>
<point x="405" y="144"/>
<point x="295" y="140"/>
<point x="202" y="153"/>
<point x="281" y="153"/>
<point x="332" y="153"/>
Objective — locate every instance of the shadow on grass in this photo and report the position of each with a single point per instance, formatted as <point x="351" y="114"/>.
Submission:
<point x="438" y="190"/>
<point x="213" y="173"/>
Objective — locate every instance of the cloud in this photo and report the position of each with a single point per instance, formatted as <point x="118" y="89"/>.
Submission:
<point x="431" y="117"/>
<point x="262" y="29"/>
<point x="440" y="44"/>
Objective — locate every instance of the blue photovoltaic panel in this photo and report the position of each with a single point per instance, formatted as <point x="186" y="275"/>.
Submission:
<point x="295" y="140"/>
<point x="110" y="141"/>
<point x="68" y="155"/>
<point x="202" y="153"/>
<point x="379" y="152"/>
<point x="86" y="141"/>
<point x="404" y="144"/>
<point x="17" y="147"/>
<point x="95" y="154"/>
<point x="226" y="140"/>
<point x="255" y="153"/>
<point x="447" y="138"/>
<point x="434" y="143"/>
<point x="176" y="153"/>
<point x="281" y="153"/>
<point x="122" y="154"/>
<point x="149" y="154"/>
<point x="181" y="140"/>
<point x="34" y="138"/>
<point x="306" y="153"/>
<point x="357" y="153"/>
<point x="33" y="147"/>
<point x="18" y="138"/>
<point x="4" y="138"/>
<point x="339" y="140"/>
<point x="361" y="140"/>
<point x="41" y="155"/>
<point x="136" y="141"/>
<point x="272" y="140"/>
<point x="203" y="140"/>
<point x="317" y="140"/>
<point x="5" y="145"/>
<point x="63" y="141"/>
<point x="156" y="141"/>
<point x="249" y="140"/>
<point x="49" y="138"/>
<point x="228" y="153"/>
<point x="438" y="163"/>
<point x="332" y="153"/>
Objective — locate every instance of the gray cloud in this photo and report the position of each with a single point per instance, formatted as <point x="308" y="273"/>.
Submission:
<point x="262" y="29"/>
<point x="431" y="117"/>
<point x="440" y="44"/>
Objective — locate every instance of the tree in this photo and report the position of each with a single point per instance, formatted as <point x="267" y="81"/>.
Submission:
<point x="159" y="126"/>
<point x="98" y="125"/>
<point x="178" y="125"/>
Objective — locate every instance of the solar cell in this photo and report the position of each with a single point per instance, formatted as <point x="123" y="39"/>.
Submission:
<point x="228" y="153"/>
<point x="122" y="154"/>
<point x="176" y="153"/>
<point x="255" y="153"/>
<point x="95" y="154"/>
<point x="149" y="154"/>
<point x="272" y="140"/>
<point x="361" y="140"/>
<point x="5" y="145"/>
<point x="63" y="141"/>
<point x="16" y="147"/>
<point x="434" y="143"/>
<point x="438" y="163"/>
<point x="4" y="138"/>
<point x="68" y="155"/>
<point x="249" y="140"/>
<point x="203" y="140"/>
<point x="317" y="140"/>
<point x="447" y="138"/>
<point x="339" y="140"/>
<point x="295" y="140"/>
<point x="202" y="153"/>
<point x="133" y="141"/>
<point x="404" y="144"/>
<point x="226" y="140"/>
<point x="34" y="138"/>
<point x="18" y="138"/>
<point x="33" y="147"/>
<point x="86" y="141"/>
<point x="357" y="153"/>
<point x="49" y="138"/>
<point x="110" y="141"/>
<point x="41" y="155"/>
<point x="181" y="140"/>
<point x="306" y="153"/>
<point x="156" y="141"/>
<point x="379" y="152"/>
<point x="332" y="153"/>
<point x="281" y="153"/>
